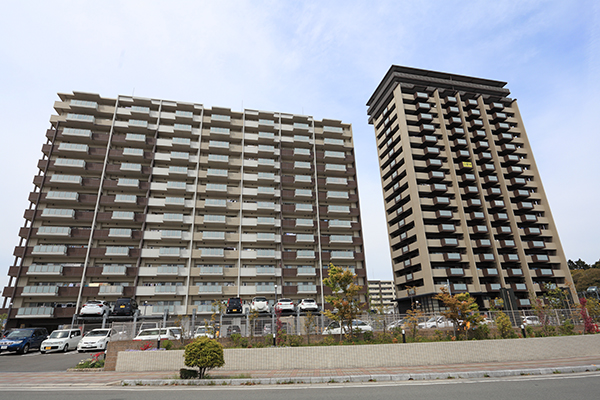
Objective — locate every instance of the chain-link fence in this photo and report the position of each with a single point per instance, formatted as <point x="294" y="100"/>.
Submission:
<point x="263" y="325"/>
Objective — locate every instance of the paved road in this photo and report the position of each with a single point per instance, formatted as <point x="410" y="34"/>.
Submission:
<point x="550" y="387"/>
<point x="37" y="362"/>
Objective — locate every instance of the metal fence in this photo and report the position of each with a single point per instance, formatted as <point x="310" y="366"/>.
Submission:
<point x="224" y="325"/>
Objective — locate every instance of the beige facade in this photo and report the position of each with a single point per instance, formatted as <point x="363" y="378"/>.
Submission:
<point x="464" y="201"/>
<point x="180" y="205"/>
<point x="382" y="294"/>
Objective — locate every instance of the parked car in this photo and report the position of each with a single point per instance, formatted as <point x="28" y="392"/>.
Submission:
<point x="358" y="326"/>
<point x="204" y="331"/>
<point x="95" y="307"/>
<point x="153" y="334"/>
<point x="436" y="322"/>
<point x="398" y="324"/>
<point x="308" y="305"/>
<point x="285" y="306"/>
<point x="231" y="329"/>
<point x="125" y="306"/>
<point x="285" y="328"/>
<point x="96" y="339"/>
<point x="234" y="306"/>
<point x="61" y="340"/>
<point x="531" y="320"/>
<point x="23" y="339"/>
<point x="260" y="304"/>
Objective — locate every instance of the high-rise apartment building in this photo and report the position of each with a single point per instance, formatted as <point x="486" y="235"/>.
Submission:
<point x="464" y="201"/>
<point x="382" y="294"/>
<point x="180" y="205"/>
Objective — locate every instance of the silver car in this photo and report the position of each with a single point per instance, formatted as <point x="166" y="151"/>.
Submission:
<point x="61" y="340"/>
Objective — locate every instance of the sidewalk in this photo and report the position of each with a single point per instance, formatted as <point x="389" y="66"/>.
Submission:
<point x="476" y="370"/>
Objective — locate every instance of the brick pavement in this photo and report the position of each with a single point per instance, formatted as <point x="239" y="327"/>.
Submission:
<point x="76" y="379"/>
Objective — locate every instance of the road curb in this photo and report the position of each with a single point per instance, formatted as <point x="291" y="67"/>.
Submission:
<point x="359" y="378"/>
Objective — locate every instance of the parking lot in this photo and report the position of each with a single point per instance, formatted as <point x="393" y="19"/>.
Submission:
<point x="37" y="362"/>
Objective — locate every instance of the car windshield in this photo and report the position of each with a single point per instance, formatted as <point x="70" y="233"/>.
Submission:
<point x="285" y="300"/>
<point x="152" y="332"/>
<point x="308" y="301"/>
<point x="19" y="334"/>
<point x="92" y="304"/>
<point x="59" y="335"/>
<point x="97" y="333"/>
<point x="260" y="299"/>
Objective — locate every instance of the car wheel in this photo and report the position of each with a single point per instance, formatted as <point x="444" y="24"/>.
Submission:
<point x="80" y="351"/>
<point x="42" y="352"/>
<point x="66" y="348"/>
<point x="25" y="349"/>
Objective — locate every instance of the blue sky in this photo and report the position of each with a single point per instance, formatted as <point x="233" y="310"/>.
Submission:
<point x="321" y="58"/>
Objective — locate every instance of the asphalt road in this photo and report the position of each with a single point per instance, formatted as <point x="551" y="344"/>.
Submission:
<point x="37" y="362"/>
<point x="550" y="387"/>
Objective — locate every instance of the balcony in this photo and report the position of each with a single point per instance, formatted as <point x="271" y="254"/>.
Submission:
<point x="35" y="312"/>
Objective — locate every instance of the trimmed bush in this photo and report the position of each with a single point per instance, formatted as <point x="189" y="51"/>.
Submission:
<point x="185" y="373"/>
<point x="205" y="354"/>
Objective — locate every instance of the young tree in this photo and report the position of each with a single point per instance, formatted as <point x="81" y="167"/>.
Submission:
<point x="344" y="297"/>
<point x="309" y="325"/>
<point x="205" y="354"/>
<point x="461" y="309"/>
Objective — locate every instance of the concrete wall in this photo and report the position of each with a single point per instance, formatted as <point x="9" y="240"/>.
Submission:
<point x="383" y="355"/>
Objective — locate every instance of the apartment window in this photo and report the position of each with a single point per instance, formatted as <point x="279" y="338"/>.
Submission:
<point x="267" y="135"/>
<point x="69" y="162"/>
<point x="176" y="185"/>
<point x="337" y="195"/>
<point x="216" y="187"/>
<point x="77" y="132"/>
<point x="304" y="222"/>
<point x="81" y="117"/>
<point x="181" y="113"/>
<point x="173" y="217"/>
<point x="169" y="251"/>
<point x="265" y="190"/>
<point x="336" y="181"/>
<point x="66" y="179"/>
<point x="215" y="202"/>
<point x="339" y="142"/>
<point x="300" y="151"/>
<point x="217" y="129"/>
<point x="305" y="254"/>
<point x="83" y="103"/>
<point x="305" y="238"/>
<point x="266" y="122"/>
<point x="166" y="234"/>
<point x="342" y="254"/>
<point x="265" y="220"/>
<point x="182" y="141"/>
<point x="138" y="122"/>
<point x="335" y="167"/>
<point x="212" y="252"/>
<point x="340" y="223"/>
<point x="265" y="204"/>
<point x="64" y="146"/>
<point x="335" y="154"/>
<point x="128" y="151"/>
<point x="265" y="253"/>
<point x="58" y="212"/>
<point x="335" y="129"/>
<point x="62" y="195"/>
<point x="135" y="137"/>
<point x="177" y="170"/>
<point x="140" y="109"/>
<point x="218" y="157"/>
<point x="125" y="198"/>
<point x="175" y="201"/>
<point x="180" y="155"/>
<point x="128" y="182"/>
<point x="301" y="138"/>
<point x="340" y="239"/>
<point x="342" y="209"/>
<point x="131" y="167"/>
<point x="301" y="164"/>
<point x="266" y="175"/>
<point x="217" y="172"/>
<point x="302" y="192"/>
<point x="119" y="232"/>
<point x="54" y="230"/>
<point x="265" y="236"/>
<point x="182" y="127"/>
<point x="266" y="161"/>
<point x="304" y="207"/>
<point x="219" y="144"/>
<point x="215" y="218"/>
<point x="302" y="178"/>
<point x="124" y="215"/>
<point x="218" y="117"/>
<point x="265" y="147"/>
<point x="117" y="251"/>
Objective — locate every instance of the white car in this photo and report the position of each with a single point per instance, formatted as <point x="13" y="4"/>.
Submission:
<point x="95" y="307"/>
<point x="436" y="322"/>
<point x="531" y="320"/>
<point x="358" y="326"/>
<point x="204" y="331"/>
<point x="61" y="340"/>
<point x="285" y="305"/>
<point x="308" y="305"/>
<point x="153" y="334"/>
<point x="260" y="304"/>
<point x="96" y="339"/>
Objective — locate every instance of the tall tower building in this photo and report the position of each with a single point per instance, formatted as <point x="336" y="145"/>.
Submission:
<point x="179" y="205"/>
<point x="464" y="201"/>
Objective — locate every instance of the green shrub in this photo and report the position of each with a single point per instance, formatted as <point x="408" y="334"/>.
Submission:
<point x="167" y="345"/>
<point x="530" y="331"/>
<point x="567" y="327"/>
<point x="205" y="354"/>
<point x="295" y="340"/>
<point x="185" y="373"/>
<point x="504" y="326"/>
<point x="482" y="332"/>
